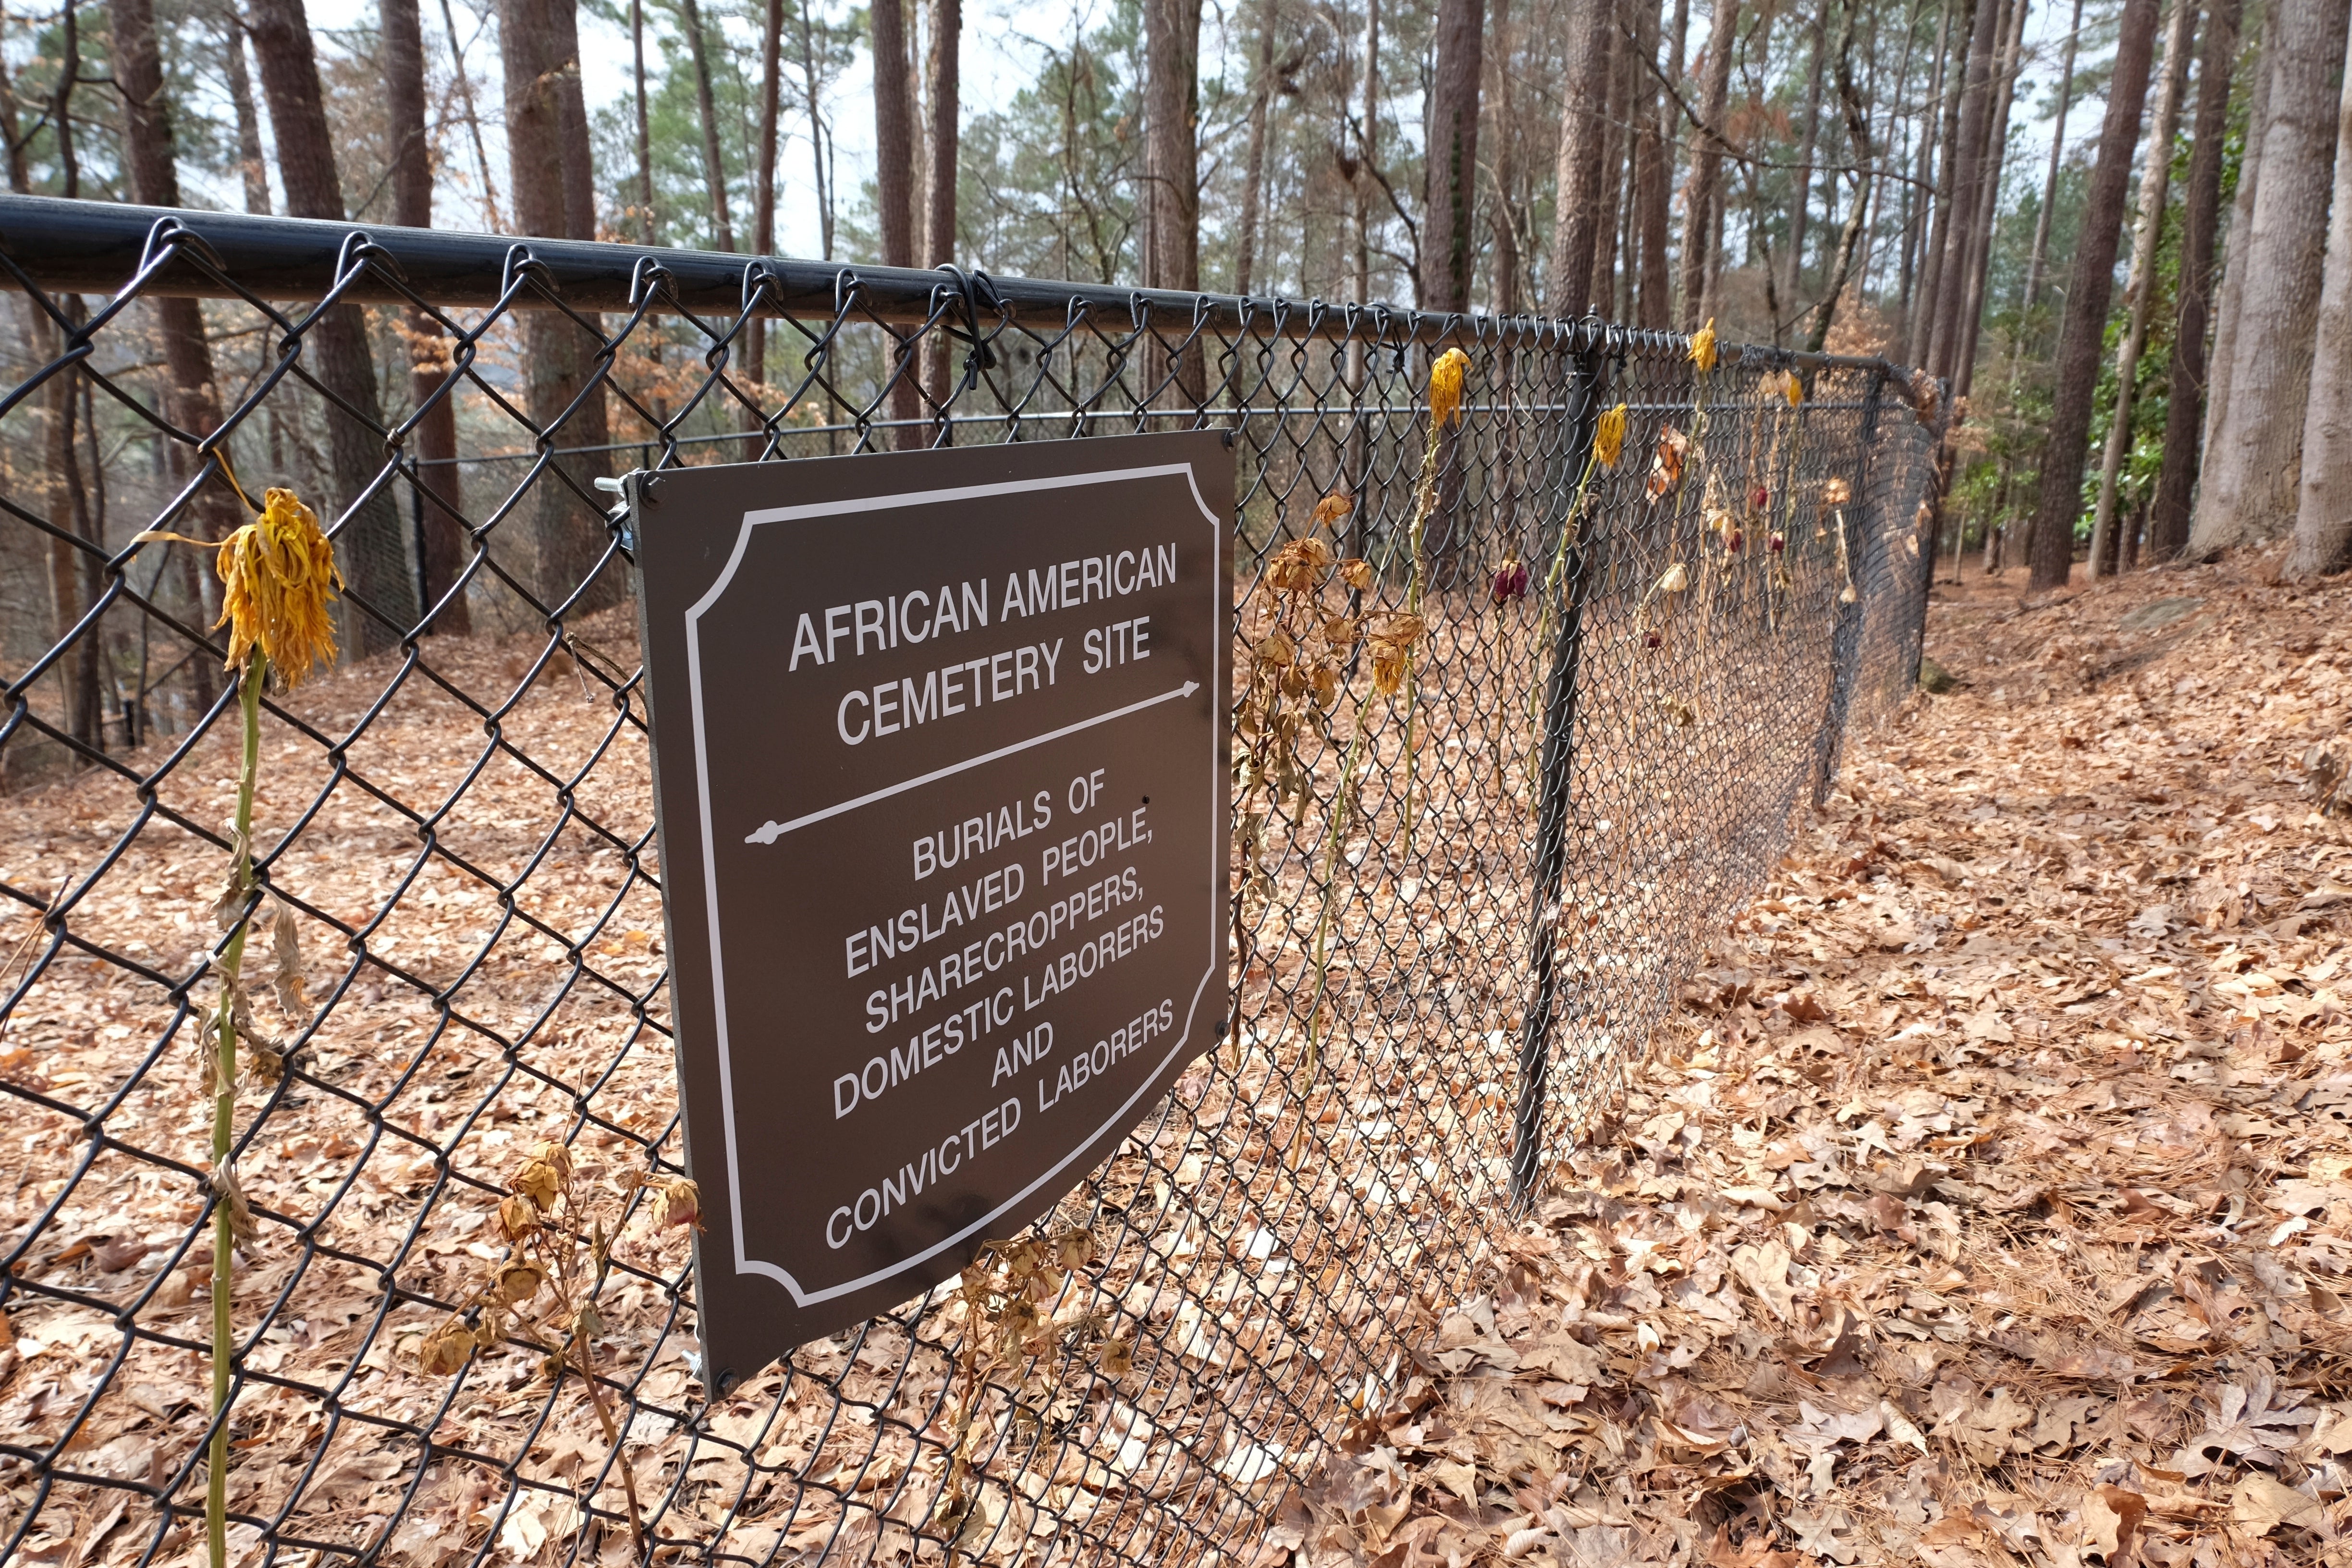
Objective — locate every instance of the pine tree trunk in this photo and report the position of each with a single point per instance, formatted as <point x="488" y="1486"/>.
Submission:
<point x="190" y="398"/>
<point x="577" y="166"/>
<point x="1653" y="182"/>
<point x="714" y="165"/>
<point x="1613" y="145"/>
<point x="2322" y="523"/>
<point x="764" y="179"/>
<point x="567" y="530"/>
<point x="2039" y="258"/>
<point x="1503" y="135"/>
<point x="1171" y="109"/>
<point x="1987" y="217"/>
<point x="377" y="558"/>
<point x="1582" y="134"/>
<point x="1701" y="201"/>
<point x="2229" y="281"/>
<point x="440" y="498"/>
<point x="474" y="122"/>
<point x="1937" y="223"/>
<point x="1860" y="150"/>
<point x="2051" y="547"/>
<point x="818" y="138"/>
<point x="2254" y="462"/>
<point x="252" y="166"/>
<point x="1254" y="170"/>
<point x="2168" y="526"/>
<point x="940" y="172"/>
<point x="939" y="203"/>
<point x="894" y="186"/>
<point x="644" y="123"/>
<point x="1947" y="290"/>
<point x="1448" y="241"/>
<point x="1799" y="215"/>
<point x="2155" y="182"/>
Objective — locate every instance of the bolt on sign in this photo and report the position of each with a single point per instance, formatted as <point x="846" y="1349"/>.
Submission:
<point x="941" y="772"/>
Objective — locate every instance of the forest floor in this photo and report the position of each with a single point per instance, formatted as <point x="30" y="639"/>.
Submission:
<point x="1988" y="1198"/>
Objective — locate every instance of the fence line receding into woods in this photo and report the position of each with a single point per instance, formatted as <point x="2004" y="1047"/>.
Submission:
<point x="1641" y="642"/>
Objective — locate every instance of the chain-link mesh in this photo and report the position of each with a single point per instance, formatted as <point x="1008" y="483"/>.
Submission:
<point x="1469" y="875"/>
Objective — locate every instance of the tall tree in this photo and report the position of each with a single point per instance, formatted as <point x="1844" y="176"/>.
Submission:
<point x="1923" y="238"/>
<point x="763" y="186"/>
<point x="1171" y="34"/>
<point x="714" y="162"/>
<point x="2040" y="255"/>
<point x="1986" y="218"/>
<point x="1171" y="53"/>
<point x="375" y="548"/>
<point x="567" y="521"/>
<point x="645" y="121"/>
<point x="1799" y="215"/>
<point x="2323" y="524"/>
<point x="1702" y="195"/>
<point x="2088" y="293"/>
<point x="2148" y="225"/>
<point x="1653" y="177"/>
<point x="465" y="82"/>
<point x="1254" y="159"/>
<point x="252" y="168"/>
<point x="191" y="400"/>
<point x="820" y="131"/>
<point x="1946" y="290"/>
<point x="939" y="200"/>
<point x="1859" y="147"/>
<point x="1501" y="168"/>
<point x="1583" y="136"/>
<point x="1448" y="236"/>
<point x="1367" y="148"/>
<point x="440" y="499"/>
<point x="1615" y="107"/>
<point x="2229" y="281"/>
<point x="894" y="184"/>
<point x="2254" y="459"/>
<point x="2168" y="526"/>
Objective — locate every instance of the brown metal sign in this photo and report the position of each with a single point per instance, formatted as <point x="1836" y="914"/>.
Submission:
<point x="940" y="774"/>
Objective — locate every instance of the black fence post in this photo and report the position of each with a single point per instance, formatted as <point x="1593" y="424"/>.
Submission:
<point x="1559" y="763"/>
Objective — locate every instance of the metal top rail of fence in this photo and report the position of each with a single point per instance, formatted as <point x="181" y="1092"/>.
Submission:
<point x="1653" y="598"/>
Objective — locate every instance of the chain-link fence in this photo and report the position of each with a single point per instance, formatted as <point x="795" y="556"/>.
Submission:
<point x="1476" y="850"/>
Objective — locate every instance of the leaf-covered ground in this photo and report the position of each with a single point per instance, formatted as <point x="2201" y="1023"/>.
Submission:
<point x="1987" y="1201"/>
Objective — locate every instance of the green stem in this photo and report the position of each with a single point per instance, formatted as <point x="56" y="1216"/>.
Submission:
<point x="256" y="666"/>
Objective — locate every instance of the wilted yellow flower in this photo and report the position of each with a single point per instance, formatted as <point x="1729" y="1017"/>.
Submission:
<point x="1836" y="491"/>
<point x="1795" y="387"/>
<point x="1674" y="579"/>
<point x="1701" y="347"/>
<point x="1333" y="508"/>
<point x="280" y="575"/>
<point x="1609" y="437"/>
<point x="1445" y="379"/>
<point x="1357" y="573"/>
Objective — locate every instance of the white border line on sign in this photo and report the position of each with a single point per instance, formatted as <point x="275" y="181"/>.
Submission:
<point x="745" y="1264"/>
